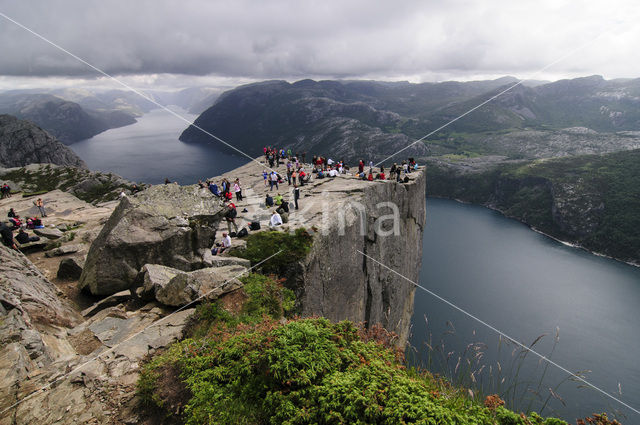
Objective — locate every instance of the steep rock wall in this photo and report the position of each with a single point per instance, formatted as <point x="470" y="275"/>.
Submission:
<point x="340" y="282"/>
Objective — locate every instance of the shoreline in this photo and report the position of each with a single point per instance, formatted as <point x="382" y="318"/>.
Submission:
<point x="566" y="243"/>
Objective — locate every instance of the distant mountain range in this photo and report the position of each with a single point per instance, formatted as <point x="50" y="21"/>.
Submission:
<point x="73" y="114"/>
<point x="371" y="118"/>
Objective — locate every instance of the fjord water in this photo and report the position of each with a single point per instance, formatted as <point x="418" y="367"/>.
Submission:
<point x="526" y="284"/>
<point x="149" y="151"/>
<point x="497" y="269"/>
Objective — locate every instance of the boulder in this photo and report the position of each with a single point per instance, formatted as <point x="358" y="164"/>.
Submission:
<point x="110" y="301"/>
<point x="48" y="232"/>
<point x="219" y="260"/>
<point x="209" y="283"/>
<point x="154" y="277"/>
<point x="63" y="250"/>
<point x="70" y="268"/>
<point x="169" y="225"/>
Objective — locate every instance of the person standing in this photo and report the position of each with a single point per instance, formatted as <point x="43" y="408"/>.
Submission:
<point x="296" y="195"/>
<point x="238" y="190"/>
<point x="40" y="204"/>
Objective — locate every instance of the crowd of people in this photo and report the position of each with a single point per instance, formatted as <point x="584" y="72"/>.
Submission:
<point x="15" y="222"/>
<point x="287" y="167"/>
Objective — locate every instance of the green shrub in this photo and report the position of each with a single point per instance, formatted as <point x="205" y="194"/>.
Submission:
<point x="263" y="245"/>
<point x="310" y="371"/>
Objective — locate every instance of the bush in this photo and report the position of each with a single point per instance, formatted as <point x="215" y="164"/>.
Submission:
<point x="263" y="245"/>
<point x="310" y="371"/>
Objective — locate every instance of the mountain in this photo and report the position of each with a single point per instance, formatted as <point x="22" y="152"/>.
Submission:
<point x="22" y="143"/>
<point x="108" y="101"/>
<point x="67" y="121"/>
<point x="194" y="99"/>
<point x="378" y="118"/>
<point x="589" y="200"/>
<point x="325" y="117"/>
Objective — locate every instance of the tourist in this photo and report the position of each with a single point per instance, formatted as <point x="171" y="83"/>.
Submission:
<point x="370" y="176"/>
<point x="273" y="180"/>
<point x="167" y="181"/>
<point x="276" y="220"/>
<point x="213" y="188"/>
<point x="7" y="236"/>
<point x="23" y="237"/>
<point x="268" y="200"/>
<point x="265" y="175"/>
<point x="40" y="204"/>
<point x="278" y="199"/>
<point x="219" y="248"/>
<point x="230" y="217"/>
<point x="12" y="213"/>
<point x="296" y="195"/>
<point x="238" y="190"/>
<point x="361" y="166"/>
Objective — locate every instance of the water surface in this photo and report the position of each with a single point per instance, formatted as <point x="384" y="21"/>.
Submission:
<point x="526" y="284"/>
<point x="149" y="151"/>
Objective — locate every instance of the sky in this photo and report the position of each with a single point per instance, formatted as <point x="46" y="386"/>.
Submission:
<point x="176" y="44"/>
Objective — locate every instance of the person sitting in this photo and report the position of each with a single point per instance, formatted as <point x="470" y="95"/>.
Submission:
<point x="302" y="177"/>
<point x="23" y="237"/>
<point x="370" y="176"/>
<point x="12" y="213"/>
<point x="276" y="220"/>
<point x="278" y="199"/>
<point x="213" y="188"/>
<point x="16" y="223"/>
<point x="135" y="189"/>
<point x="381" y="176"/>
<point x="320" y="174"/>
<point x="268" y="200"/>
<point x="7" y="236"/>
<point x="219" y="248"/>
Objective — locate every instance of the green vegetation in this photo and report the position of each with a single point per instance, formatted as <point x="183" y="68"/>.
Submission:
<point x="308" y="371"/>
<point x="262" y="245"/>
<point x="592" y="200"/>
<point x="86" y="185"/>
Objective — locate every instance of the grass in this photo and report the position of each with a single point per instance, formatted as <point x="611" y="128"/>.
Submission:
<point x="510" y="377"/>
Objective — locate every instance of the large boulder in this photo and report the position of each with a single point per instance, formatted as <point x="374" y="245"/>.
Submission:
<point x="177" y="288"/>
<point x="168" y="224"/>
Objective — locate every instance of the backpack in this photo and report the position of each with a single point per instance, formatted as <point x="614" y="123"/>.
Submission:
<point x="242" y="233"/>
<point x="255" y="225"/>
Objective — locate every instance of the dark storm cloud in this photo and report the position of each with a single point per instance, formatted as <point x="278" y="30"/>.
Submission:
<point x="281" y="39"/>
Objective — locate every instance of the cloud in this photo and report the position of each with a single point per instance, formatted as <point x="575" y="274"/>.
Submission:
<point x="334" y="39"/>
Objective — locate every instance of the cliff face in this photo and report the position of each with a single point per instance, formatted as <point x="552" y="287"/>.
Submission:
<point x="340" y="282"/>
<point x="22" y="143"/>
<point x="591" y="200"/>
<point x="350" y="217"/>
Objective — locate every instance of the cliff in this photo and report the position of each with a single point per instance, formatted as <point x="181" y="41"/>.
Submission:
<point x="168" y="229"/>
<point x="67" y="121"/>
<point x="589" y="200"/>
<point x="22" y="143"/>
<point x="348" y="218"/>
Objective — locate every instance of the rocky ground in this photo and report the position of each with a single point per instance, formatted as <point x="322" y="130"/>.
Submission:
<point x="70" y="356"/>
